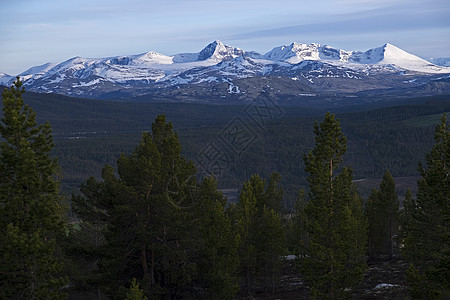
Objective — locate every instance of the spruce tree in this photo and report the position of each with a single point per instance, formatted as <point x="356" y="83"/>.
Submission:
<point x="336" y="226"/>
<point x="30" y="211"/>
<point x="426" y="226"/>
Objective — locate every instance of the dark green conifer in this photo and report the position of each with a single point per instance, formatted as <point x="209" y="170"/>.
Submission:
<point x="334" y="261"/>
<point x="245" y="224"/>
<point x="426" y="226"/>
<point x="215" y="244"/>
<point x="145" y="209"/>
<point x="30" y="211"/>
<point x="260" y="232"/>
<point x="135" y="292"/>
<point x="382" y="211"/>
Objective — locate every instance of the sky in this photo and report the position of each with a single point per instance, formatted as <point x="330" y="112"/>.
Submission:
<point x="34" y="32"/>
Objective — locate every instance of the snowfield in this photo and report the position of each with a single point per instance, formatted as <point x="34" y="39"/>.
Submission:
<point x="218" y="63"/>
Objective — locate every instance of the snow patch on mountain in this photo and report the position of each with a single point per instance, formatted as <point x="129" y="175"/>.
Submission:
<point x="5" y="78"/>
<point x="218" y="62"/>
<point x="233" y="89"/>
<point x="58" y="79"/>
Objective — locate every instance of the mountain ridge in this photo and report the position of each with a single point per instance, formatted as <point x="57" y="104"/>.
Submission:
<point x="217" y="63"/>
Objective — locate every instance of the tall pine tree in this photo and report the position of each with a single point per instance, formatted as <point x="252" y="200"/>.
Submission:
<point x="145" y="209"/>
<point x="426" y="226"/>
<point x="334" y="260"/>
<point x="30" y="211"/>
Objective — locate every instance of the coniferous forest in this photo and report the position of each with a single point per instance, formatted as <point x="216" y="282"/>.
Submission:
<point x="149" y="218"/>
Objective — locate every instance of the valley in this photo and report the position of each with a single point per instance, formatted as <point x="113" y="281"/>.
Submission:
<point x="225" y="150"/>
<point x="393" y="134"/>
<point x="234" y="142"/>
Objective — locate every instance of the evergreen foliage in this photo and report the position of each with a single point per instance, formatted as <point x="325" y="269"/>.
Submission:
<point x="297" y="233"/>
<point x="81" y="248"/>
<point x="246" y="212"/>
<point x="334" y="259"/>
<point x="215" y="244"/>
<point x="161" y="226"/>
<point x="144" y="210"/>
<point x="30" y="210"/>
<point x="151" y="221"/>
<point x="135" y="292"/>
<point x="271" y="234"/>
<point x="382" y="211"/>
<point x="427" y="221"/>
<point x="260" y="231"/>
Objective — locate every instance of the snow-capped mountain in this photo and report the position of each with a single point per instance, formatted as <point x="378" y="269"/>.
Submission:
<point x="385" y="55"/>
<point x="391" y="55"/>
<point x="5" y="78"/>
<point x="317" y="67"/>
<point x="295" y="53"/>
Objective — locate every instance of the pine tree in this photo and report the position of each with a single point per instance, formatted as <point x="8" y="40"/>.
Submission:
<point x="30" y="211"/>
<point x="406" y="215"/>
<point x="145" y="212"/>
<point x="262" y="236"/>
<point x="215" y="242"/>
<point x="270" y="235"/>
<point x="336" y="225"/>
<point x="372" y="211"/>
<point x="245" y="213"/>
<point x="270" y="246"/>
<point x="135" y="292"/>
<point x="382" y="210"/>
<point x="297" y="231"/>
<point x="427" y="221"/>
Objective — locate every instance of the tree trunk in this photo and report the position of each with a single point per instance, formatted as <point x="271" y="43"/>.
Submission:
<point x="391" y="246"/>
<point x="152" y="274"/>
<point x="273" y="277"/>
<point x="248" y="280"/>
<point x="144" y="260"/>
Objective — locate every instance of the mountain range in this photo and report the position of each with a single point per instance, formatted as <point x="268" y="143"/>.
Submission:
<point x="220" y="72"/>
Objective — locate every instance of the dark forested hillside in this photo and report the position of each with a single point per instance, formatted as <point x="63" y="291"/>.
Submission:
<point x="90" y="133"/>
<point x="147" y="220"/>
<point x="393" y="138"/>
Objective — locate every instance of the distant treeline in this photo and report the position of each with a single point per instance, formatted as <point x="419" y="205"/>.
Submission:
<point x="90" y="133"/>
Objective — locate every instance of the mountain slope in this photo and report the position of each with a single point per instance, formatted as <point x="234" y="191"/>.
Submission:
<point x="321" y="68"/>
<point x="442" y="61"/>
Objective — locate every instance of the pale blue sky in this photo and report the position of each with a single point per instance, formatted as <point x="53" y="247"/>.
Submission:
<point x="33" y="32"/>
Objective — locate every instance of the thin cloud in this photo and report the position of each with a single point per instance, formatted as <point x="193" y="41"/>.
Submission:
<point x="378" y="20"/>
